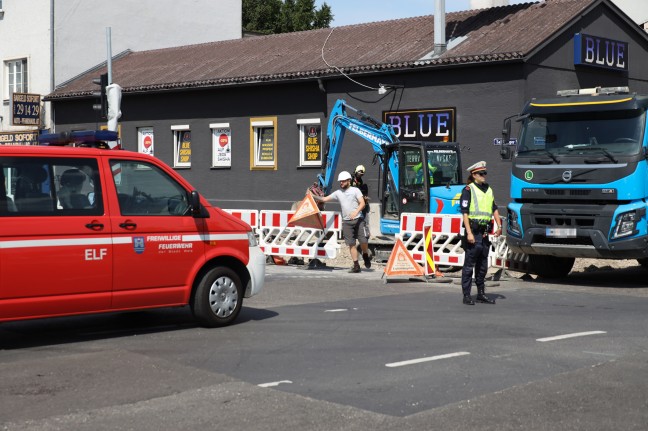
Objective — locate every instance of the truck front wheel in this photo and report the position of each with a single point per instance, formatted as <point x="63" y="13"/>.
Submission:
<point x="218" y="297"/>
<point x="551" y="266"/>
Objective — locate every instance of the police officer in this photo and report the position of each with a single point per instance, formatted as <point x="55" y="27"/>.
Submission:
<point x="478" y="208"/>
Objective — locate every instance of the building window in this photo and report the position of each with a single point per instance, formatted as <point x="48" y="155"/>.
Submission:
<point x="16" y="71"/>
<point x="310" y="142"/>
<point x="263" y="143"/>
<point x="221" y="145"/>
<point x="181" y="146"/>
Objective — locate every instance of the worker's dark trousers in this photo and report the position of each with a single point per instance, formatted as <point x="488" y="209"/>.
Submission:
<point x="476" y="256"/>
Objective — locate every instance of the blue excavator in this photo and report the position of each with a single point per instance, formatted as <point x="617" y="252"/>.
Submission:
<point x="415" y="176"/>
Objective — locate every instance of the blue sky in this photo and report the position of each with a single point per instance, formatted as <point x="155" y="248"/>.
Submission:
<point x="358" y="11"/>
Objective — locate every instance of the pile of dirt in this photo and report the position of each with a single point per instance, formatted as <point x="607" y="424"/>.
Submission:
<point x="343" y="260"/>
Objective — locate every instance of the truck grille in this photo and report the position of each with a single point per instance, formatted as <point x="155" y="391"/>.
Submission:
<point x="567" y="192"/>
<point x="554" y="220"/>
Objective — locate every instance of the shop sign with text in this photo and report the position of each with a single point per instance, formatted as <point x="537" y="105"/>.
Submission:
<point x="597" y="51"/>
<point x="431" y="125"/>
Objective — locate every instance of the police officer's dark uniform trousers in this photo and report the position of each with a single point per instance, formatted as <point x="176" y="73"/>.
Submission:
<point x="480" y="209"/>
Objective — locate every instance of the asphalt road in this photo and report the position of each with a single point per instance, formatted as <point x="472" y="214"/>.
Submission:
<point x="324" y="349"/>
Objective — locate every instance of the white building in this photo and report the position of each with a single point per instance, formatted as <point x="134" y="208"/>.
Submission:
<point x="48" y="42"/>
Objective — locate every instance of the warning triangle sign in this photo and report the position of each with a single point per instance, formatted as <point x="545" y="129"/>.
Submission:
<point x="307" y="214"/>
<point x="401" y="262"/>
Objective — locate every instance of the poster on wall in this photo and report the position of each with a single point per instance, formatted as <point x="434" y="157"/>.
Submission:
<point x="222" y="147"/>
<point x="145" y="140"/>
<point x="184" y="148"/>
<point x="313" y="148"/>
<point x="266" y="145"/>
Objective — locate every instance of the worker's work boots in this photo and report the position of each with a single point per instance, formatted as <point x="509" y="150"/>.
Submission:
<point x="355" y="268"/>
<point x="481" y="297"/>
<point x="468" y="300"/>
<point x="367" y="260"/>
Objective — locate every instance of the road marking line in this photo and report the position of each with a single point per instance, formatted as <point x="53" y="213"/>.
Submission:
<point x="336" y="310"/>
<point x="428" y="359"/>
<point x="273" y="384"/>
<point x="562" y="337"/>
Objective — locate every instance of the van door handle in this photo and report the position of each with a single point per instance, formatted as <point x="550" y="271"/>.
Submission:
<point x="95" y="226"/>
<point x="128" y="225"/>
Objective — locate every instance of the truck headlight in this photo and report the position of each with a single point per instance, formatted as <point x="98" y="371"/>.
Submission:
<point x="626" y="224"/>
<point x="252" y="240"/>
<point x="512" y="224"/>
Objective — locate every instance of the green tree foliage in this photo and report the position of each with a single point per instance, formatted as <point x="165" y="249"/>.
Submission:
<point x="284" y="16"/>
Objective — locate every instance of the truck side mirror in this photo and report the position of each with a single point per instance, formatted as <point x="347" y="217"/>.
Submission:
<point x="506" y="130"/>
<point x="505" y="151"/>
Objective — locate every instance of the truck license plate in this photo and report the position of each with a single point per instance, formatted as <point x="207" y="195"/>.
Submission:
<point x="560" y="232"/>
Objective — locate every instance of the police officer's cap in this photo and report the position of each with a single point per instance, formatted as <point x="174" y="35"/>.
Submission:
<point x="479" y="166"/>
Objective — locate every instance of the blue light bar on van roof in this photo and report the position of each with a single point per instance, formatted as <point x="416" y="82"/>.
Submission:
<point x="85" y="138"/>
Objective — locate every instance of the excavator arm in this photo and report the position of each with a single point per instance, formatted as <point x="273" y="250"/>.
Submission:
<point x="379" y="135"/>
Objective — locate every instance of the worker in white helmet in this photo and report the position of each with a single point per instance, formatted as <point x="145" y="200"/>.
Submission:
<point x="353" y="224"/>
<point x="357" y="181"/>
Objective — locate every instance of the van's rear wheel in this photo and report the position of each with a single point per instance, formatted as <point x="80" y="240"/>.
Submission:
<point x="218" y="298"/>
<point x="551" y="266"/>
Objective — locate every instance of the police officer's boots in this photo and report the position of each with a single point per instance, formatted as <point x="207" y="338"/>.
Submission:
<point x="468" y="300"/>
<point x="481" y="297"/>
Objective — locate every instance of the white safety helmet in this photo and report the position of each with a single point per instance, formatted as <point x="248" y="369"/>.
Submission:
<point x="360" y="168"/>
<point x="343" y="176"/>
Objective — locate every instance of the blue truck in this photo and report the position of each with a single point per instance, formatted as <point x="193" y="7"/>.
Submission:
<point x="579" y="179"/>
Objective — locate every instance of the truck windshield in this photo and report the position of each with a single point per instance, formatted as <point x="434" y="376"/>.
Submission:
<point x="616" y="133"/>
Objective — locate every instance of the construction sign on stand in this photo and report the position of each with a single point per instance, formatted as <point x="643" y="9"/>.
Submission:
<point x="307" y="214"/>
<point x="430" y="266"/>
<point x="401" y="263"/>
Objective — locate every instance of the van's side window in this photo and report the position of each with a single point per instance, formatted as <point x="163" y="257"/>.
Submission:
<point x="35" y="186"/>
<point x="144" y="189"/>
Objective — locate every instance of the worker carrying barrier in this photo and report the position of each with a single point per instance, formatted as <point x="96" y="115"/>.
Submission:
<point x="277" y="237"/>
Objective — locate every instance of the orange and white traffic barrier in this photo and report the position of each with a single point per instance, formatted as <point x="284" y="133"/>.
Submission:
<point x="276" y="237"/>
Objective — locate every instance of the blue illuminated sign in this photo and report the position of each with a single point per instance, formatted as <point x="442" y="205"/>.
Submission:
<point x="597" y="51"/>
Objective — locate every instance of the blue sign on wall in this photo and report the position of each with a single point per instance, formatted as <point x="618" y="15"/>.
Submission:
<point x="597" y="51"/>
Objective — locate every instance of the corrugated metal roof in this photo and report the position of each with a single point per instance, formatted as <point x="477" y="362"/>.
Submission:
<point x="495" y="34"/>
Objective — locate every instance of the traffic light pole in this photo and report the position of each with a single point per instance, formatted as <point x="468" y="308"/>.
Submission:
<point x="109" y="53"/>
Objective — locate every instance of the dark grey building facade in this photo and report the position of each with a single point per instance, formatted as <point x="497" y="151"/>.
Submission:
<point x="496" y="60"/>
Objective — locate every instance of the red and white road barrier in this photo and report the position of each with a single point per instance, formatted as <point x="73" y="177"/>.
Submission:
<point x="446" y="242"/>
<point x="447" y="231"/>
<point x="250" y="217"/>
<point x="279" y="239"/>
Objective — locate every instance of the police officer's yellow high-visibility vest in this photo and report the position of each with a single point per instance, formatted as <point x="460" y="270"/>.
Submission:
<point x="481" y="204"/>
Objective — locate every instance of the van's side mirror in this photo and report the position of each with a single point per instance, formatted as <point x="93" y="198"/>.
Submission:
<point x="196" y="208"/>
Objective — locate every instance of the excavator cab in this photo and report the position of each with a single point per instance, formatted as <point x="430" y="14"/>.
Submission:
<point x="428" y="180"/>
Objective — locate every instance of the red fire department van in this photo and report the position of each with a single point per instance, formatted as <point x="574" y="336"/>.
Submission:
<point x="89" y="229"/>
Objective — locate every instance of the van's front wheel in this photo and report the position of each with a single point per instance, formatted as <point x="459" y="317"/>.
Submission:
<point x="218" y="297"/>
